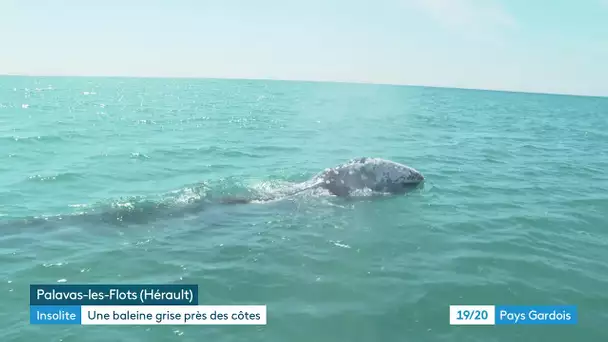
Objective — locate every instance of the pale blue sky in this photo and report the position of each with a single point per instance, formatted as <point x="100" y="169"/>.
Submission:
<point x="526" y="45"/>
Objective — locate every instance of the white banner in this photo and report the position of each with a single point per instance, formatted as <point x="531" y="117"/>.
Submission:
<point x="174" y="315"/>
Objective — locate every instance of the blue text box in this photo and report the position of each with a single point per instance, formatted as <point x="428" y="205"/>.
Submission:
<point x="536" y="314"/>
<point x="48" y="314"/>
<point x="113" y="294"/>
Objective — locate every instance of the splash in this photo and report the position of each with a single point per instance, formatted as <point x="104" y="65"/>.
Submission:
<point x="193" y="199"/>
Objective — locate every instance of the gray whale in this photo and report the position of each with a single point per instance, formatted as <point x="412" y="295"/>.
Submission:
<point x="376" y="174"/>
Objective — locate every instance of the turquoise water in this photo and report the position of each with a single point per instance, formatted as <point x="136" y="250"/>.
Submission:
<point x="115" y="181"/>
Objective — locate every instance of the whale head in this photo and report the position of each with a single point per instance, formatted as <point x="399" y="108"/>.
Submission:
<point x="396" y="174"/>
<point x="409" y="175"/>
<point x="374" y="173"/>
<point x="368" y="173"/>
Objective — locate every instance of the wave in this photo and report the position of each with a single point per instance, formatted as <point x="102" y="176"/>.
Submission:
<point x="47" y="139"/>
<point x="58" y="177"/>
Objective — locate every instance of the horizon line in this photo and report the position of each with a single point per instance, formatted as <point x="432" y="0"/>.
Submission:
<point x="308" y="81"/>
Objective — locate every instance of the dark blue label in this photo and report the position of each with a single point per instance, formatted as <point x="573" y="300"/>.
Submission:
<point x="48" y="314"/>
<point x="137" y="294"/>
<point x="536" y="314"/>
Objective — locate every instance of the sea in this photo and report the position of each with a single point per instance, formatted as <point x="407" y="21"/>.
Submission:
<point x="119" y="181"/>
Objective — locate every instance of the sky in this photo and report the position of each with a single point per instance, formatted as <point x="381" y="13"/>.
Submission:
<point x="547" y="46"/>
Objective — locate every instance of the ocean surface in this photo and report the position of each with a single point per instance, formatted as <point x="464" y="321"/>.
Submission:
<point x="117" y="180"/>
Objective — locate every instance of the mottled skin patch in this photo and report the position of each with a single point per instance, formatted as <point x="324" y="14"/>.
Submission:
<point x="369" y="173"/>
